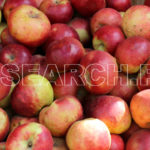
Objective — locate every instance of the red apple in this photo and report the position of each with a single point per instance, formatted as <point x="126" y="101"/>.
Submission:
<point x="4" y="128"/>
<point x="107" y="38"/>
<point x="112" y="110"/>
<point x="117" y="142"/>
<point x="30" y="136"/>
<point x="106" y="16"/>
<point x="15" y="56"/>
<point x="67" y="51"/>
<point x="88" y="134"/>
<point x="66" y="84"/>
<point x="82" y="27"/>
<point x="120" y="5"/>
<point x="61" y="114"/>
<point x="143" y="77"/>
<point x="139" y="140"/>
<point x="87" y="7"/>
<point x="132" y="53"/>
<point x="31" y="94"/>
<point x="139" y="107"/>
<point x="2" y="146"/>
<point x="99" y="72"/>
<point x="17" y="121"/>
<point x="133" y="128"/>
<point x="147" y="2"/>
<point x="136" y="21"/>
<point x="59" y="144"/>
<point x="28" y="25"/>
<point x="58" y="32"/>
<point x="5" y="82"/>
<point x="59" y="11"/>
<point x="6" y="38"/>
<point x="125" y="88"/>
<point x="12" y="4"/>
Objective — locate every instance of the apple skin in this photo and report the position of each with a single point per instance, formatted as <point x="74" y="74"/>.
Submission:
<point x="106" y="16"/>
<point x="4" y="103"/>
<point x="120" y="5"/>
<point x="58" y="32"/>
<point x="29" y="26"/>
<point x="112" y="110"/>
<point x="6" y="82"/>
<point x="117" y="142"/>
<point x="2" y="145"/>
<point x="16" y="54"/>
<point x="65" y="51"/>
<point x="12" y="4"/>
<point x="59" y="11"/>
<point x="59" y="144"/>
<point x="4" y="128"/>
<point x="139" y="107"/>
<point x="147" y="2"/>
<point x="139" y="140"/>
<point x="107" y="38"/>
<point x="87" y="7"/>
<point x="125" y="88"/>
<point x="99" y="72"/>
<point x="30" y="136"/>
<point x="31" y="94"/>
<point x="134" y="24"/>
<point x="82" y="27"/>
<point x="66" y="84"/>
<point x="17" y="121"/>
<point x="133" y="128"/>
<point x="88" y="134"/>
<point x="143" y="77"/>
<point x="68" y="110"/>
<point x="38" y="3"/>
<point x="6" y="38"/>
<point x="129" y="57"/>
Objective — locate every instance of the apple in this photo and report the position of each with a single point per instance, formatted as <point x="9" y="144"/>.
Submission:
<point x="2" y="27"/>
<point x="59" y="144"/>
<point x="82" y="27"/>
<point x="99" y="72"/>
<point x="38" y="2"/>
<point x="12" y="4"/>
<point x="67" y="51"/>
<point x="117" y="142"/>
<point x="66" y="84"/>
<point x="139" y="140"/>
<point x="139" y="107"/>
<point x="32" y="28"/>
<point x="87" y="7"/>
<point x="4" y="103"/>
<point x="61" y="114"/>
<point x="17" y="121"/>
<point x="58" y="32"/>
<point x="40" y="66"/>
<point x="106" y="16"/>
<point x="112" y="110"/>
<point x="120" y="5"/>
<point x="147" y="2"/>
<point x="90" y="134"/>
<point x="5" y="82"/>
<point x="130" y="57"/>
<point x="4" y="128"/>
<point x="122" y="13"/>
<point x="59" y="11"/>
<point x="107" y="38"/>
<point x="30" y="136"/>
<point x="133" y="128"/>
<point x="6" y="38"/>
<point x="125" y="88"/>
<point x="15" y="56"/>
<point x="143" y="77"/>
<point x="2" y="145"/>
<point x="136" y="21"/>
<point x="31" y="94"/>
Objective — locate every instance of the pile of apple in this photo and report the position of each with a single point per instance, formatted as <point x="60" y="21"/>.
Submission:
<point x="74" y="75"/>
